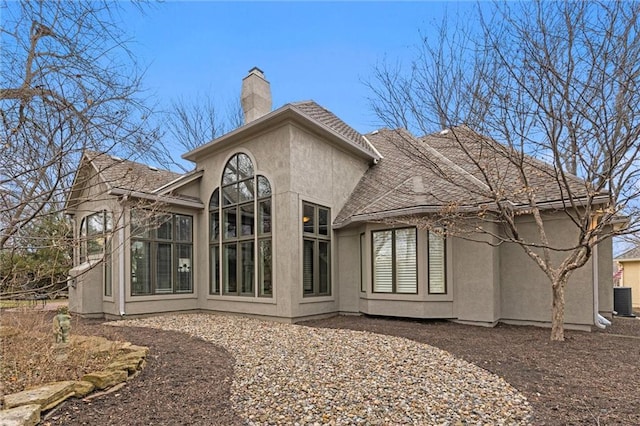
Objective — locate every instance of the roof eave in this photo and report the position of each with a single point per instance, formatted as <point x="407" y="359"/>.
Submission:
<point x="157" y="198"/>
<point x="283" y="113"/>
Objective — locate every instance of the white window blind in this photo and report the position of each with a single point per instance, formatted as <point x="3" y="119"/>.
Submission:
<point x="406" y="268"/>
<point x="437" y="274"/>
<point x="383" y="262"/>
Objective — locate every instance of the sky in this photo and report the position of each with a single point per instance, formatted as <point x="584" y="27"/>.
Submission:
<point x="323" y="51"/>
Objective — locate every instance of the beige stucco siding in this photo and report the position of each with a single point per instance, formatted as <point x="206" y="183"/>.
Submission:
<point x="526" y="290"/>
<point x="631" y="278"/>
<point x="477" y="277"/>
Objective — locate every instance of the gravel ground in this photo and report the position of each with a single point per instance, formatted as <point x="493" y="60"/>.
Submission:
<point x="292" y="374"/>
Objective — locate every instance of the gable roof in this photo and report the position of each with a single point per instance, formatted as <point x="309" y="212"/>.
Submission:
<point x="629" y="255"/>
<point x="126" y="177"/>
<point x="129" y="175"/>
<point x="307" y="112"/>
<point x="424" y="175"/>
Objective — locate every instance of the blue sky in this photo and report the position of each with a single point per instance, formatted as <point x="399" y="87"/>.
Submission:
<point x="308" y="50"/>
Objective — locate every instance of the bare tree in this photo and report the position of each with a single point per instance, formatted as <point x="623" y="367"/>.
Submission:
<point x="556" y="81"/>
<point x="194" y="122"/>
<point x="67" y="83"/>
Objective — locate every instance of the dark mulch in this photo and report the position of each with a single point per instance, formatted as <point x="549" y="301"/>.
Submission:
<point x="186" y="382"/>
<point x="590" y="379"/>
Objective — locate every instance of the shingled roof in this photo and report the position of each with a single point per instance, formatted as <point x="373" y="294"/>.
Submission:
<point x="632" y="254"/>
<point x="422" y="175"/>
<point x="129" y="175"/>
<point x="321" y="115"/>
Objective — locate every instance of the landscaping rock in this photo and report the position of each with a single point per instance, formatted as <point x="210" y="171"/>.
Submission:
<point x="82" y="388"/>
<point x="42" y="396"/>
<point x="25" y="415"/>
<point x="106" y="378"/>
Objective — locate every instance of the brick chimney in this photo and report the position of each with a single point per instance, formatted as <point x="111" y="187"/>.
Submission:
<point x="255" y="96"/>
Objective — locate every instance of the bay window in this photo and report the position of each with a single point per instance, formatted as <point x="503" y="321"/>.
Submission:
<point x="394" y="261"/>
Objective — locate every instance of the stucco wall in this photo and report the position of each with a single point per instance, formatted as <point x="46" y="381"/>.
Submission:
<point x="631" y="278"/>
<point x="526" y="290"/>
<point x="301" y="166"/>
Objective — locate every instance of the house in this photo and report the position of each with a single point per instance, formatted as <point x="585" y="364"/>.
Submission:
<point x="629" y="265"/>
<point x="290" y="217"/>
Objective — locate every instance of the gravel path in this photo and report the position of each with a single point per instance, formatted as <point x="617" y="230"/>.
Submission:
<point x="292" y="374"/>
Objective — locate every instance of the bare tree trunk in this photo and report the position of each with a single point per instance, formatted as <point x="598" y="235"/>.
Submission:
<point x="557" y="313"/>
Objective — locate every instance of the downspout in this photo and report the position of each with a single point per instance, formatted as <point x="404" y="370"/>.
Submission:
<point x="121" y="286"/>
<point x="598" y="320"/>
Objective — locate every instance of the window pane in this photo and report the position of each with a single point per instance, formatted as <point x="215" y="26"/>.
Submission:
<point x="245" y="191"/>
<point x="229" y="263"/>
<point x="230" y="174"/>
<point x="95" y="224"/>
<point x="246" y="219"/>
<point x="214" y="277"/>
<point x="140" y="268"/>
<point x="323" y="221"/>
<point x="323" y="266"/>
<point x="264" y="271"/>
<point x="308" y="218"/>
<point x="229" y="218"/>
<point x="139" y="224"/>
<point x="230" y="194"/>
<point x="406" y="276"/>
<point x="437" y="267"/>
<point x="185" y="270"/>
<point x="264" y="220"/>
<point x="214" y="203"/>
<point x="247" y="267"/>
<point x="164" y="230"/>
<point x="264" y="187"/>
<point x="307" y="266"/>
<point x="245" y="167"/>
<point x="214" y="222"/>
<point x="163" y="268"/>
<point x="95" y="245"/>
<point x="382" y="262"/>
<point x="184" y="227"/>
<point x="363" y="269"/>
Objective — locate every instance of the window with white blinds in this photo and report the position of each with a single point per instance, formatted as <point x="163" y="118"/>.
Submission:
<point x="394" y="261"/>
<point x="437" y="262"/>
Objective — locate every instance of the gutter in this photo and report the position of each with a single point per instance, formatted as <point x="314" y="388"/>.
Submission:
<point x="598" y="320"/>
<point x="157" y="198"/>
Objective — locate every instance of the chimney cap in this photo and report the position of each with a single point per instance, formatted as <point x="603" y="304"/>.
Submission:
<point x="257" y="71"/>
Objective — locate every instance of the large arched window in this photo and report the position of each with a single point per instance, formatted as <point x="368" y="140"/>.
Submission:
<point x="240" y="232"/>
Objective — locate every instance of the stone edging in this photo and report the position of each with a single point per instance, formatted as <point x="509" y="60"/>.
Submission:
<point x="24" y="408"/>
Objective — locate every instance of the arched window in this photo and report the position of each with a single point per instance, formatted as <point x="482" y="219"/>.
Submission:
<point x="240" y="232"/>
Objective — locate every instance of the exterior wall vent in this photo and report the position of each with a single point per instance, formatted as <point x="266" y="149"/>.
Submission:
<point x="622" y="301"/>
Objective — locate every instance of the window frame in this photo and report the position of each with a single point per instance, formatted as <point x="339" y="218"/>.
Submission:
<point x="394" y="281"/>
<point x="318" y="239"/>
<point x="235" y="238"/>
<point x="146" y="231"/>
<point x="441" y="235"/>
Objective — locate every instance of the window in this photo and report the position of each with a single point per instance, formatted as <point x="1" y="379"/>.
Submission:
<point x="161" y="253"/>
<point x="437" y="263"/>
<point x="94" y="229"/>
<point x="95" y="243"/>
<point x="394" y="261"/>
<point x="316" y="250"/>
<point x="240" y="232"/>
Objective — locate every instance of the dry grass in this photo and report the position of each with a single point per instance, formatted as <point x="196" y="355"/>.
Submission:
<point x="28" y="358"/>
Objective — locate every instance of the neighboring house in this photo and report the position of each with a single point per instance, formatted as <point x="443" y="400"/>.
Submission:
<point x="284" y="218"/>
<point x="629" y="264"/>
